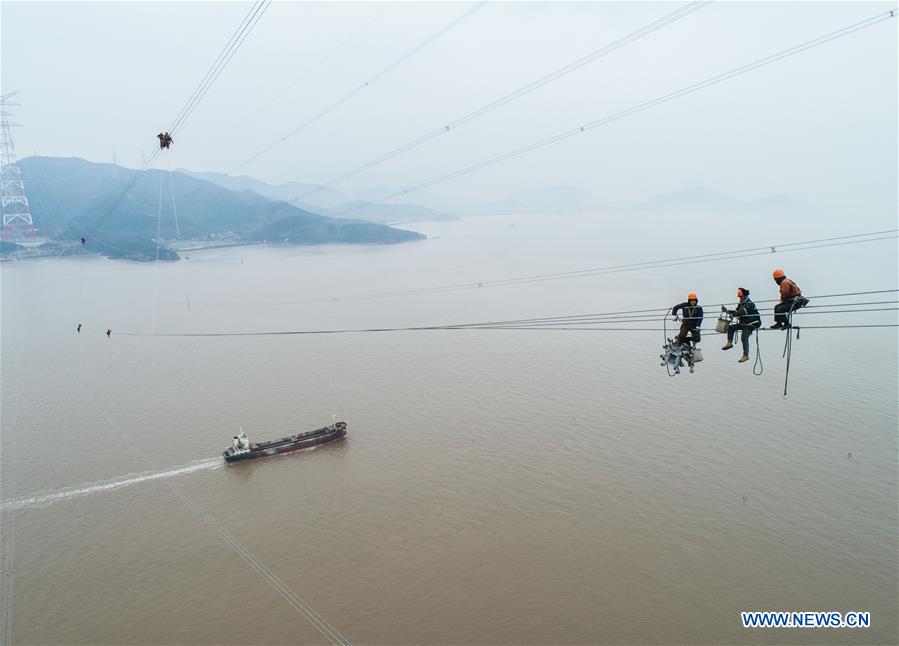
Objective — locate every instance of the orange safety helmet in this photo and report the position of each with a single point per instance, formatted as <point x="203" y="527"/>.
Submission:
<point x="739" y="292"/>
<point x="692" y="296"/>
<point x="778" y="273"/>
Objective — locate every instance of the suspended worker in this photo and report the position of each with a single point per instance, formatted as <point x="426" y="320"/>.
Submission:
<point x="108" y="332"/>
<point x="165" y="140"/>
<point x="791" y="299"/>
<point x="746" y="320"/>
<point x="83" y="240"/>
<point x="691" y="319"/>
<point x="79" y="327"/>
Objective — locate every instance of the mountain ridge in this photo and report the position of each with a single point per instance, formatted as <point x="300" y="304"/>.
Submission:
<point x="71" y="198"/>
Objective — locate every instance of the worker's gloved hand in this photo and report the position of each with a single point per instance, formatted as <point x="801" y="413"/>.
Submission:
<point x="674" y="318"/>
<point x="723" y="309"/>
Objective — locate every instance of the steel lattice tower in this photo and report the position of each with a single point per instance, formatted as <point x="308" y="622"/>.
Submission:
<point x="17" y="222"/>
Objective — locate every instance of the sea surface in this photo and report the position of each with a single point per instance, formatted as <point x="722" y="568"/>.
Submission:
<point x="496" y="486"/>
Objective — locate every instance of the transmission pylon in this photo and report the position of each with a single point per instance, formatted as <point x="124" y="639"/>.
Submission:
<point x="18" y="227"/>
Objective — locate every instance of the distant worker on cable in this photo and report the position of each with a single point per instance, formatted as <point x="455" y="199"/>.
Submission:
<point x="83" y="240"/>
<point x="79" y="327"/>
<point x="746" y="320"/>
<point x="691" y="319"/>
<point x="791" y="299"/>
<point x="165" y="140"/>
<point x="108" y="332"/>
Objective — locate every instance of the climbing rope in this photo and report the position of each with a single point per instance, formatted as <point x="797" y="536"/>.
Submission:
<point x="174" y="207"/>
<point x="757" y="368"/>
<point x="788" y="343"/>
<point x="156" y="262"/>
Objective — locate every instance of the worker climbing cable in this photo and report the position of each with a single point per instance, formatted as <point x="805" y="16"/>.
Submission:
<point x="683" y="348"/>
<point x="791" y="299"/>
<point x="691" y="319"/>
<point x="746" y="320"/>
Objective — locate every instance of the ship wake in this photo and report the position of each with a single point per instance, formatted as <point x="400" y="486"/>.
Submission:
<point x="43" y="500"/>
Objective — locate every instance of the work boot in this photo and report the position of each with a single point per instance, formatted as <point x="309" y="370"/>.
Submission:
<point x="727" y="346"/>
<point x="745" y="357"/>
<point x="776" y="326"/>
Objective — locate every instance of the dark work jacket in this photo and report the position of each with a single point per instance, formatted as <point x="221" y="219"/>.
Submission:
<point x="692" y="315"/>
<point x="748" y="313"/>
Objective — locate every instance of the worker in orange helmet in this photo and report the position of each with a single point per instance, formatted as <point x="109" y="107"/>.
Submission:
<point x="691" y="320"/>
<point x="791" y="299"/>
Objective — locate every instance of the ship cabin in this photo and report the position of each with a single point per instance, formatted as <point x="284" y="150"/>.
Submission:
<point x="240" y="445"/>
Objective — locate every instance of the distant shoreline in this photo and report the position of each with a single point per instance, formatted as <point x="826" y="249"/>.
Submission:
<point x="65" y="249"/>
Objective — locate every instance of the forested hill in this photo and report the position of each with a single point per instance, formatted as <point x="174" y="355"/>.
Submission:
<point x="71" y="197"/>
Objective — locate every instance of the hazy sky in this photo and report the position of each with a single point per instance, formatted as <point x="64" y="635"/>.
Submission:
<point x="101" y="79"/>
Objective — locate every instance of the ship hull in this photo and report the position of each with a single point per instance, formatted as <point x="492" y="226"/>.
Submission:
<point x="289" y="445"/>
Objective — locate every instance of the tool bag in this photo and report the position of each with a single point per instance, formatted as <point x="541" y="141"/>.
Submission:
<point x="722" y="325"/>
<point x="697" y="355"/>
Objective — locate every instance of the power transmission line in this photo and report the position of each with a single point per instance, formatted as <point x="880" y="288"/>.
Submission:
<point x="858" y="238"/>
<point x="231" y="47"/>
<point x="547" y="323"/>
<point x="365" y="84"/>
<point x="743" y="69"/>
<point x="458" y="328"/>
<point x="451" y="126"/>
<point x="584" y="319"/>
<point x="320" y="62"/>
<point x="8" y="570"/>
<point x="317" y="621"/>
<point x="218" y="64"/>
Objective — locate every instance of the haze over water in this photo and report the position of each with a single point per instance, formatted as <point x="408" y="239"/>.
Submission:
<point x="496" y="486"/>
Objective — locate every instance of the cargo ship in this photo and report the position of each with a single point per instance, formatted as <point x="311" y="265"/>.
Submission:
<point x="242" y="449"/>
